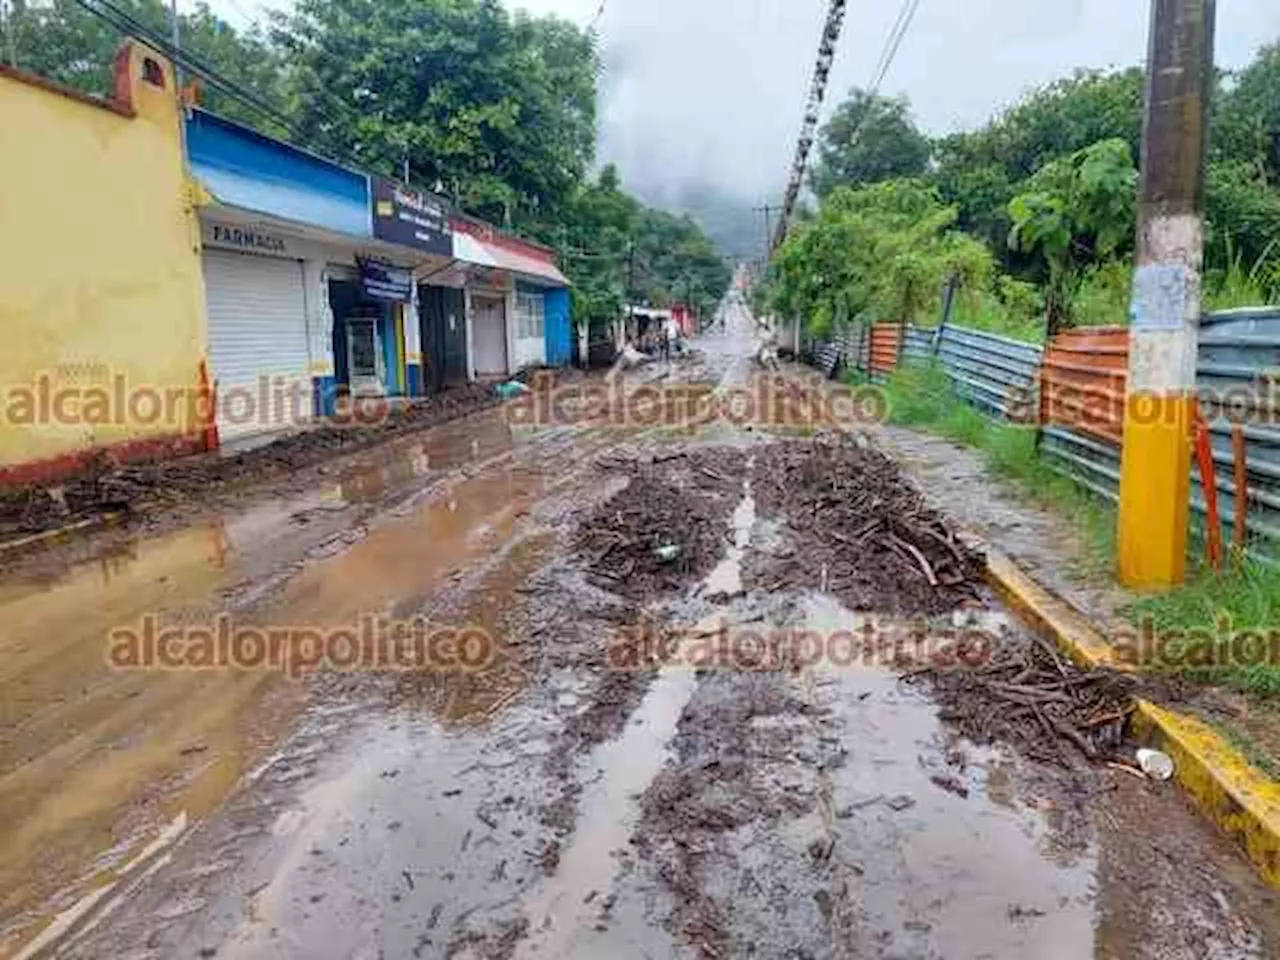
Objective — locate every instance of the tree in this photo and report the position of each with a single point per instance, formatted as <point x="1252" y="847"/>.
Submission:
<point x="981" y="171"/>
<point x="65" y="42"/>
<point x="869" y="138"/>
<point x="1247" y="122"/>
<point x="878" y="252"/>
<point x="1076" y="211"/>
<point x="499" y="112"/>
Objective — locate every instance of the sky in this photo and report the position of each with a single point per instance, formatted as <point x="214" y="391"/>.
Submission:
<point x="710" y="92"/>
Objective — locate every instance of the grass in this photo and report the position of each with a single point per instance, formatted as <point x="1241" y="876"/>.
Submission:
<point x="1240" y="285"/>
<point x="1244" y="598"/>
<point x="1247" y="597"/>
<point x="1018" y="315"/>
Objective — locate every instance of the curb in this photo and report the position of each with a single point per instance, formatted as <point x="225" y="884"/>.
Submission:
<point x="1241" y="800"/>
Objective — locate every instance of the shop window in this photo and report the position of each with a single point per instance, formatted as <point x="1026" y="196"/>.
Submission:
<point x="530" y="315"/>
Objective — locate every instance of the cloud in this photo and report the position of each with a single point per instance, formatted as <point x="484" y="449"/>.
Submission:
<point x="709" y="93"/>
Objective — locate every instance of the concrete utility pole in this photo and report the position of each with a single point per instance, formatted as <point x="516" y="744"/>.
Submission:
<point x="1165" y="311"/>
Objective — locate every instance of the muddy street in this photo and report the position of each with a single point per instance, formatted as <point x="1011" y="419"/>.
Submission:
<point x="615" y="748"/>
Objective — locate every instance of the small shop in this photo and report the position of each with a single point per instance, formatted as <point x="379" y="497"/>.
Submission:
<point x="442" y="317"/>
<point x="518" y="300"/>
<point x="369" y="306"/>
<point x="428" y="321"/>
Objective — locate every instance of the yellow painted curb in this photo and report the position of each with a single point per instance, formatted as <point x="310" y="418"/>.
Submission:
<point x="1242" y="800"/>
<point x="1074" y="633"/>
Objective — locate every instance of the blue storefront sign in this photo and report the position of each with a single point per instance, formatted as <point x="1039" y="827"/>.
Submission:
<point x="384" y="281"/>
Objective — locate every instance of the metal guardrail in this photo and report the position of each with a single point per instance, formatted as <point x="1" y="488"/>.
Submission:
<point x="994" y="373"/>
<point x="1238" y="374"/>
<point x="919" y="343"/>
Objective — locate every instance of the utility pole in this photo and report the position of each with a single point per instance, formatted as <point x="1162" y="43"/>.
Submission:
<point x="631" y="284"/>
<point x="768" y="210"/>
<point x="1165" y="310"/>
<point x="813" y="108"/>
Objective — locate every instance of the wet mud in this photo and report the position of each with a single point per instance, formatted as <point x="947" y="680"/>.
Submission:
<point x="105" y="486"/>
<point x="666" y="525"/>
<point x="609" y="783"/>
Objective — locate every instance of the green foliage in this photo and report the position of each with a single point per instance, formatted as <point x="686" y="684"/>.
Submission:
<point x="881" y="252"/>
<point x="1010" y="308"/>
<point x="1243" y="214"/>
<point x="1242" y="284"/>
<point x="1076" y="211"/>
<point x="981" y="171"/>
<point x="499" y="111"/>
<point x="868" y="139"/>
<point x="674" y="260"/>
<point x="1101" y="294"/>
<point x="64" y="42"/>
<point x="1246" y="126"/>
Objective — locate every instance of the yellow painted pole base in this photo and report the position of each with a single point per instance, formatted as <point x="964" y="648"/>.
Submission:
<point x="1155" y="490"/>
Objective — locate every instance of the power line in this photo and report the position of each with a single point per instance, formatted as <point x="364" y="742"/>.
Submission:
<point x="905" y="16"/>
<point x="813" y="108"/>
<point x="122" y="21"/>
<point x="889" y="52"/>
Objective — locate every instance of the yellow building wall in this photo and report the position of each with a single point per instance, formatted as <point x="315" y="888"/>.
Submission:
<point x="101" y="291"/>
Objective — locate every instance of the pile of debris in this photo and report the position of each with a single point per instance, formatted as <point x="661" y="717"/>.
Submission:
<point x="1037" y="701"/>
<point x="106" y="486"/>
<point x="667" y="527"/>
<point x="865" y="533"/>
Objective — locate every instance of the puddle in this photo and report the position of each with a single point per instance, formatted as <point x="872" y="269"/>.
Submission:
<point x="940" y="873"/>
<point x="562" y="908"/>
<point x="726" y="579"/>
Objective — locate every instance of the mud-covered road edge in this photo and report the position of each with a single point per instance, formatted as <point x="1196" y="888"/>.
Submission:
<point x="1241" y="800"/>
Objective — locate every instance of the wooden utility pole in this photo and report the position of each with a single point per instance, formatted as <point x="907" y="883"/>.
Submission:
<point x="1165" y="310"/>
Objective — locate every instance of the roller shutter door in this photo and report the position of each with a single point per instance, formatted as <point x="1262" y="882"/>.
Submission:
<point x="257" y="343"/>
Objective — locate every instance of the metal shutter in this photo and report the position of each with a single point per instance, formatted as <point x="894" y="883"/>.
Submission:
<point x="257" y="342"/>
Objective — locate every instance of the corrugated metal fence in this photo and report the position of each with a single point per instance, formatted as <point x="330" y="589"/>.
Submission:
<point x="1239" y="378"/>
<point x="1075" y="388"/>
<point x="995" y="374"/>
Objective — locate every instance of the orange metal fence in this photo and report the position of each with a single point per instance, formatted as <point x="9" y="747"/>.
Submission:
<point x="1083" y="379"/>
<point x="886" y="342"/>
